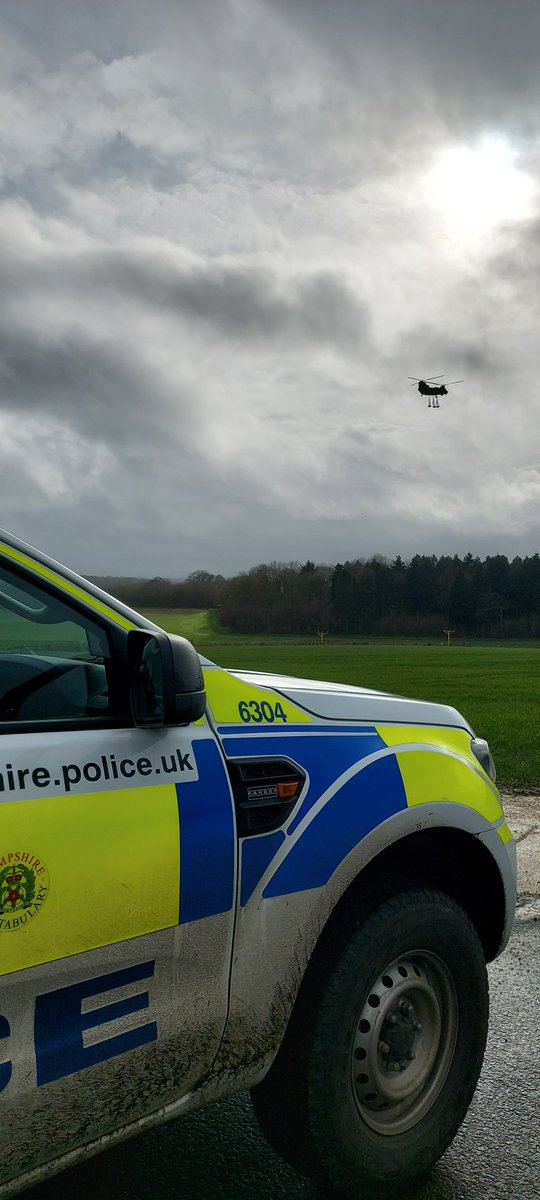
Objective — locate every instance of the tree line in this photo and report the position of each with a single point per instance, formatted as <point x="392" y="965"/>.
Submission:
<point x="493" y="597"/>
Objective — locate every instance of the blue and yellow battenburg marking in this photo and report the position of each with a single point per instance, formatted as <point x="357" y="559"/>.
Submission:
<point x="103" y="886"/>
<point x="357" y="777"/>
<point x="113" y="865"/>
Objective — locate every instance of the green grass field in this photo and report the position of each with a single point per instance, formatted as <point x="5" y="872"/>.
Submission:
<point x="496" y="686"/>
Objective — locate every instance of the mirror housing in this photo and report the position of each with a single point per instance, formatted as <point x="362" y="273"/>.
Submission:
<point x="165" y="679"/>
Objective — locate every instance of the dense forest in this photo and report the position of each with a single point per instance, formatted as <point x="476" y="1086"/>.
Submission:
<point x="493" y="597"/>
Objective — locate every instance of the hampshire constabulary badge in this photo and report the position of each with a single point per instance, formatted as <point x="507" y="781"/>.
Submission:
<point x="24" y="886"/>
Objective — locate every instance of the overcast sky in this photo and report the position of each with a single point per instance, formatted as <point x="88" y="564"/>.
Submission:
<point x="230" y="230"/>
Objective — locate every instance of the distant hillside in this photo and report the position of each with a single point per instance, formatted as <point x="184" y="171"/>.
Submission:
<point x="199" y="590"/>
<point x="468" y="597"/>
<point x="115" y="583"/>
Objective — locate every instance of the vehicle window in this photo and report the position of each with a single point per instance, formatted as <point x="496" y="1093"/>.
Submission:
<point x="55" y="664"/>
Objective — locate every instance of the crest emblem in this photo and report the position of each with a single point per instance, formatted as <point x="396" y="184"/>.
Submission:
<point x="24" y="886"/>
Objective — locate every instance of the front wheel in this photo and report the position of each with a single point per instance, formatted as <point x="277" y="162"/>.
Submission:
<point x="395" y="1047"/>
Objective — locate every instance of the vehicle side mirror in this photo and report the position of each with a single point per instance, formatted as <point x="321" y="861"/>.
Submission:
<point x="166" y="679"/>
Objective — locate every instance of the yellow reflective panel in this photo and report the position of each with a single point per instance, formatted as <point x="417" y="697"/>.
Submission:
<point x="234" y="702"/>
<point x="66" y="586"/>
<point x="84" y="871"/>
<point x="504" y="833"/>
<point x="428" y="735"/>
<point x="429" y="776"/>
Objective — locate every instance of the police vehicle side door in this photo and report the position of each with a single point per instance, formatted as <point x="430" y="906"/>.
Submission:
<point x="117" y="876"/>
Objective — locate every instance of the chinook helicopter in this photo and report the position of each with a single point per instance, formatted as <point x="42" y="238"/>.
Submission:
<point x="426" y="387"/>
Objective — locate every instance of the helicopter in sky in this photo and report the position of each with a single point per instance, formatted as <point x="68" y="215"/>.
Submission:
<point x="426" y="387"/>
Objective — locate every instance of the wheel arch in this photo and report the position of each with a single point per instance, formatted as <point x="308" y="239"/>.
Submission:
<point x="451" y="860"/>
<point x="445" y="847"/>
<point x="439" y="858"/>
<point x="442" y="858"/>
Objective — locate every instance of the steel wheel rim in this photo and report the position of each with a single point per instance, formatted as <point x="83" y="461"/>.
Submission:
<point x="404" y="1042"/>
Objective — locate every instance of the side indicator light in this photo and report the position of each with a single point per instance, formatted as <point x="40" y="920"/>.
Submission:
<point x="285" y="791"/>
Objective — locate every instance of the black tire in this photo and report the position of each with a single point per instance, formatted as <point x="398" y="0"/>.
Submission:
<point x="383" y="1054"/>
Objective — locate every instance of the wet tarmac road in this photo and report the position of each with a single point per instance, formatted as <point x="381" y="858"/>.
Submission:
<point x="219" y="1154"/>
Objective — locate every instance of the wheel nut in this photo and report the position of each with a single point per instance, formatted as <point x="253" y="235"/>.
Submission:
<point x="411" y="1055"/>
<point x="391" y="1019"/>
<point x="417" y="1026"/>
<point x="406" y="1006"/>
<point x="384" y="1048"/>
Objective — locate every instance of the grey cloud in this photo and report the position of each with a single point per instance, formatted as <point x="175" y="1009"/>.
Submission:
<point x="249" y="304"/>
<point x="452" y="354"/>
<point x="92" y="387"/>
<point x="307" y="91"/>
<point x="114" y="157"/>
<point x="218" y="272"/>
<point x="470" y="62"/>
<point x="106" y="395"/>
<point x="56" y="28"/>
<point x="518" y="262"/>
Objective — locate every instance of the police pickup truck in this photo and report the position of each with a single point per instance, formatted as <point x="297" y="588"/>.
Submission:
<point x="215" y="880"/>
